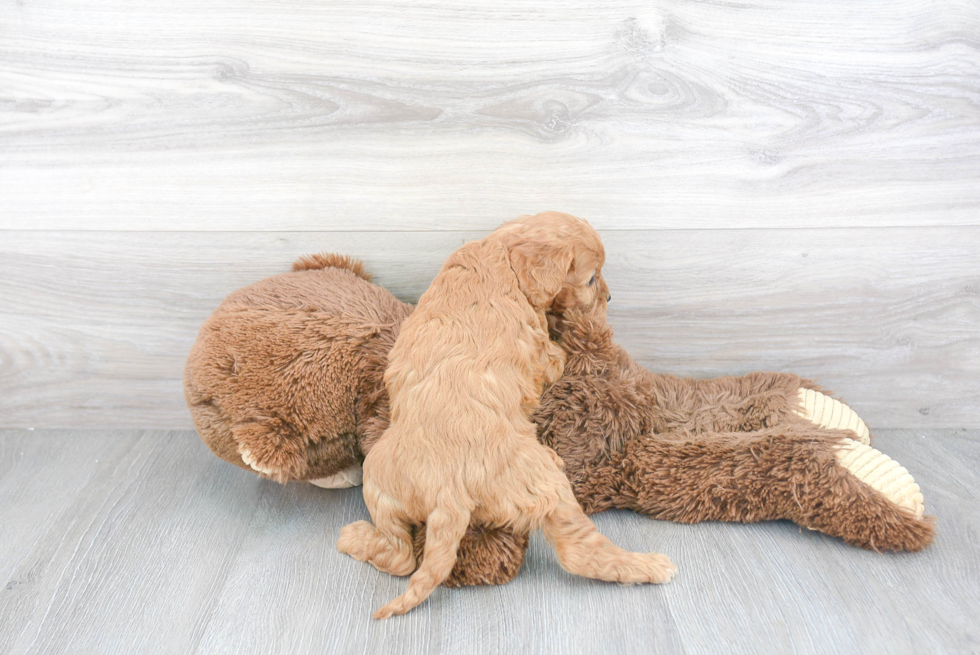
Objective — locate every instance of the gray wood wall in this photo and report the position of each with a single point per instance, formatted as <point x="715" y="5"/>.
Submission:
<point x="780" y="185"/>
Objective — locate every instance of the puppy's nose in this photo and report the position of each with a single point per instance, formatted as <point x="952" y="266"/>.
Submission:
<point x="608" y="297"/>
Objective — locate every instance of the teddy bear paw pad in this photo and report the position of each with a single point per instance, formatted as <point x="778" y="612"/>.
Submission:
<point x="883" y="474"/>
<point x="253" y="462"/>
<point x="830" y="413"/>
<point x="352" y="476"/>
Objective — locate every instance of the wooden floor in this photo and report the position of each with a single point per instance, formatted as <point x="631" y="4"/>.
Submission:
<point x="143" y="542"/>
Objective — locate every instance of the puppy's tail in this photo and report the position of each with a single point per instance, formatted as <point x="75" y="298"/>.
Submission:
<point x="445" y="528"/>
<point x="582" y="550"/>
<point x="331" y="260"/>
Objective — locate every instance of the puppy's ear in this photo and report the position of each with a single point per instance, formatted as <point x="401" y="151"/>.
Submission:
<point x="541" y="270"/>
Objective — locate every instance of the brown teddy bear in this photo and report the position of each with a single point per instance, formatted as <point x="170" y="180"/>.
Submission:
<point x="286" y="380"/>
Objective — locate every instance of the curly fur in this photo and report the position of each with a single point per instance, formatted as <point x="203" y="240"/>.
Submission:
<point x="465" y="371"/>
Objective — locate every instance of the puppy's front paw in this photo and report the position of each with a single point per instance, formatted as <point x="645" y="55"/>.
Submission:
<point x="659" y="568"/>
<point x="559" y="462"/>
<point x="555" y="365"/>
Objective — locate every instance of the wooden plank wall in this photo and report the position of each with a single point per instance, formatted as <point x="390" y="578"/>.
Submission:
<point x="780" y="185"/>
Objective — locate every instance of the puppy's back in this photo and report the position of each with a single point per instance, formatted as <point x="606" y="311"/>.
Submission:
<point x="461" y="372"/>
<point x="469" y="335"/>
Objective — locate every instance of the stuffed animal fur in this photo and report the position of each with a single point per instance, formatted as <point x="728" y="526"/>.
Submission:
<point x="286" y="380"/>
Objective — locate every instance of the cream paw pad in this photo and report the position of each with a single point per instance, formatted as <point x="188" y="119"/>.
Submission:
<point x="349" y="477"/>
<point x="253" y="462"/>
<point x="831" y="414"/>
<point x="883" y="474"/>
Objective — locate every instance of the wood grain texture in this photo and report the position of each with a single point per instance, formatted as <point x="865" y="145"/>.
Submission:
<point x="145" y="542"/>
<point x="155" y="545"/>
<point x="95" y="327"/>
<point x="397" y="115"/>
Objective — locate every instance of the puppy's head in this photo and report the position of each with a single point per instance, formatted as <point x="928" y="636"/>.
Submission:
<point x="557" y="259"/>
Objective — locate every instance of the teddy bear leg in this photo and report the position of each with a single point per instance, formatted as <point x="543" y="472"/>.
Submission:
<point x="830" y="413"/>
<point x="813" y="477"/>
<point x="486" y="555"/>
<point x="883" y="474"/>
<point x="865" y="498"/>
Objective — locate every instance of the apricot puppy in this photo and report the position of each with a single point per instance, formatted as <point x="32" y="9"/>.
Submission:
<point x="466" y="370"/>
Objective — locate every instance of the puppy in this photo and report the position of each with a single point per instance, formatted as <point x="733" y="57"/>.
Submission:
<point x="466" y="370"/>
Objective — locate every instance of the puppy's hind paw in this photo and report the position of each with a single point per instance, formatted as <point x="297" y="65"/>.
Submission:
<point x="354" y="539"/>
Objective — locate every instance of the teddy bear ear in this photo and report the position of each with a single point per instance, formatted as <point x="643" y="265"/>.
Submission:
<point x="541" y="269"/>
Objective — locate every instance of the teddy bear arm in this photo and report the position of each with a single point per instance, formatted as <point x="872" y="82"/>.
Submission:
<point x="268" y="448"/>
<point x="282" y="452"/>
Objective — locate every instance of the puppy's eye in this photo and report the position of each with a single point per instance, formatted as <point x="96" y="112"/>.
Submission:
<point x="592" y="280"/>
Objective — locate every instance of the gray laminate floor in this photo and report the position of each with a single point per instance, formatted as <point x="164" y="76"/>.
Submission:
<point x="143" y="542"/>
